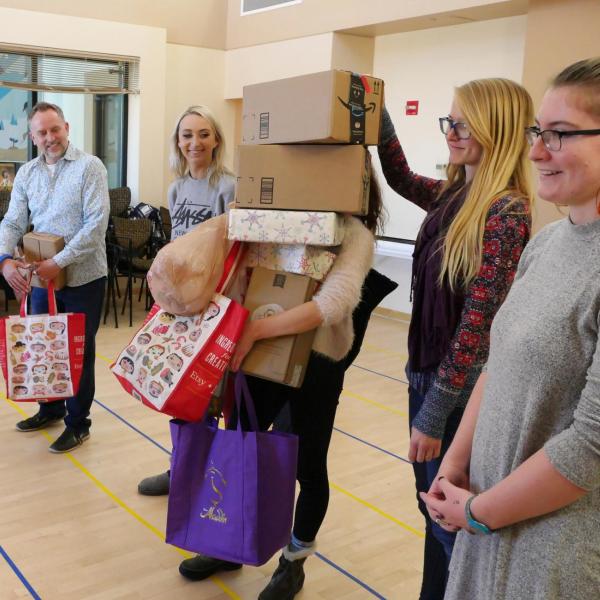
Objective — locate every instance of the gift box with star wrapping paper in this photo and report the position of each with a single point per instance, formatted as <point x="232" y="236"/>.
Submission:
<point x="286" y="227"/>
<point x="313" y="261"/>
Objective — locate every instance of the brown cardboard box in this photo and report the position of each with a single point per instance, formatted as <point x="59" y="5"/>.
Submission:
<point x="329" y="107"/>
<point x="282" y="359"/>
<point x="330" y="178"/>
<point x="40" y="246"/>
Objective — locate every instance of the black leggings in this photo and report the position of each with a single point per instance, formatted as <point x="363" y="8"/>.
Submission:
<point x="312" y="413"/>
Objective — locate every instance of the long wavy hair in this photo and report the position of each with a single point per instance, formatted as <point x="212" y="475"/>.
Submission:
<point x="497" y="112"/>
<point x="177" y="161"/>
<point x="376" y="216"/>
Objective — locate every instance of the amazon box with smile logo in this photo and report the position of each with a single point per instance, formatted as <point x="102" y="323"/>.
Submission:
<point x="284" y="358"/>
<point x="332" y="107"/>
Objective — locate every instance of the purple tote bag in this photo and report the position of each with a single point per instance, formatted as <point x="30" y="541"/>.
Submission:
<point x="232" y="491"/>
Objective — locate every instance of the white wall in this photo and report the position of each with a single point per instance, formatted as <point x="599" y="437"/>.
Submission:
<point x="426" y="66"/>
<point x="277" y="60"/>
<point x="146" y="134"/>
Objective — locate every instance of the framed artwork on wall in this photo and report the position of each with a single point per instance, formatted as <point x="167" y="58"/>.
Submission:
<point x="14" y="105"/>
<point x="7" y="175"/>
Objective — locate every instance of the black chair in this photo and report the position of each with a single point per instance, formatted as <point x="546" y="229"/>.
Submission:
<point x="8" y="292"/>
<point x="120" y="200"/>
<point x="129" y="248"/>
<point x="165" y="219"/>
<point x="4" y="202"/>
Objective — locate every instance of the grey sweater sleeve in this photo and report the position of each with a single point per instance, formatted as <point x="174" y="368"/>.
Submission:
<point x="225" y="195"/>
<point x="575" y="452"/>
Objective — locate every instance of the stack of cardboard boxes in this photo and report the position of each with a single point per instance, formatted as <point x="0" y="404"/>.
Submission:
<point x="303" y="163"/>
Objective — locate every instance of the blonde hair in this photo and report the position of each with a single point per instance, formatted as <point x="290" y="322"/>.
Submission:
<point x="177" y="161"/>
<point x="497" y="112"/>
<point x="584" y="74"/>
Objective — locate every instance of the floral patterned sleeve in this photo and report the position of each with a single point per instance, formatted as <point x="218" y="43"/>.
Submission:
<point x="420" y="190"/>
<point x="505" y="237"/>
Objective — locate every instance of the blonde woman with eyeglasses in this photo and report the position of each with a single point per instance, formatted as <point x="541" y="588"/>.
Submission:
<point x="477" y="224"/>
<point x="530" y="437"/>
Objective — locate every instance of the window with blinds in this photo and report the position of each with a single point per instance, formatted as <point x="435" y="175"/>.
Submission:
<point x="254" y="6"/>
<point x="45" y="71"/>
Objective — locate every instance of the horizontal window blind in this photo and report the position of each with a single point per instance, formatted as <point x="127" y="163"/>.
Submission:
<point x="44" y="70"/>
<point x="254" y="6"/>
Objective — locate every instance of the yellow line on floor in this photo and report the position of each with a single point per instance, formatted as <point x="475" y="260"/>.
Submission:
<point x="377" y="510"/>
<point x="104" y="358"/>
<point x="218" y="582"/>
<point x="373" y="403"/>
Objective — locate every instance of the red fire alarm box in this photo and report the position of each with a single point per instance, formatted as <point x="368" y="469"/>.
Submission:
<point x="412" y="107"/>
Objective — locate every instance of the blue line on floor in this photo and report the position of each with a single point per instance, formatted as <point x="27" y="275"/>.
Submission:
<point x="378" y="373"/>
<point x="20" y="575"/>
<point x="112" y="412"/>
<point x="372" y="445"/>
<point x="321" y="556"/>
<point x="344" y="572"/>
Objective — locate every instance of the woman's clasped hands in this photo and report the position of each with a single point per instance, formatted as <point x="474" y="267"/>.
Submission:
<point x="447" y="497"/>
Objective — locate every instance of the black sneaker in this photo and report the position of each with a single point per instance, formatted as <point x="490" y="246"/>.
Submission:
<point x="202" y="566"/>
<point x="68" y="440"/>
<point x="38" y="421"/>
<point x="286" y="582"/>
<point x="156" y="485"/>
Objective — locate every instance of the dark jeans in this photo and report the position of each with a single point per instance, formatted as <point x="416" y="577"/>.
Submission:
<point x="85" y="299"/>
<point x="438" y="542"/>
<point x="312" y="409"/>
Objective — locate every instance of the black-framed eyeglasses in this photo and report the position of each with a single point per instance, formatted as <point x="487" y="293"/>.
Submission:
<point x="461" y="130"/>
<point x="553" y="139"/>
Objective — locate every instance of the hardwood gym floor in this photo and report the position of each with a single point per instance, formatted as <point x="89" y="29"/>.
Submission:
<point x="73" y="527"/>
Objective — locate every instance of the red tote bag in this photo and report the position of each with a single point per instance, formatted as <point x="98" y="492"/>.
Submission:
<point x="42" y="355"/>
<point x="174" y="363"/>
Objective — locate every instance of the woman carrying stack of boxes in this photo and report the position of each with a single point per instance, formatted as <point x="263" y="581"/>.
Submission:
<point x="312" y="388"/>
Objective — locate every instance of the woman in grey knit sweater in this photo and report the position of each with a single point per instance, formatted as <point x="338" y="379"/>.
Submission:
<point x="529" y="442"/>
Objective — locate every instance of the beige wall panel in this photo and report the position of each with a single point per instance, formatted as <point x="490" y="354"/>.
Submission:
<point x="319" y="16"/>
<point x="146" y="121"/>
<point x="196" y="76"/>
<point x="268" y="62"/>
<point x="558" y="34"/>
<point x="426" y="66"/>
<point x="238" y="106"/>
<point x="352" y="53"/>
<point x="192" y="22"/>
